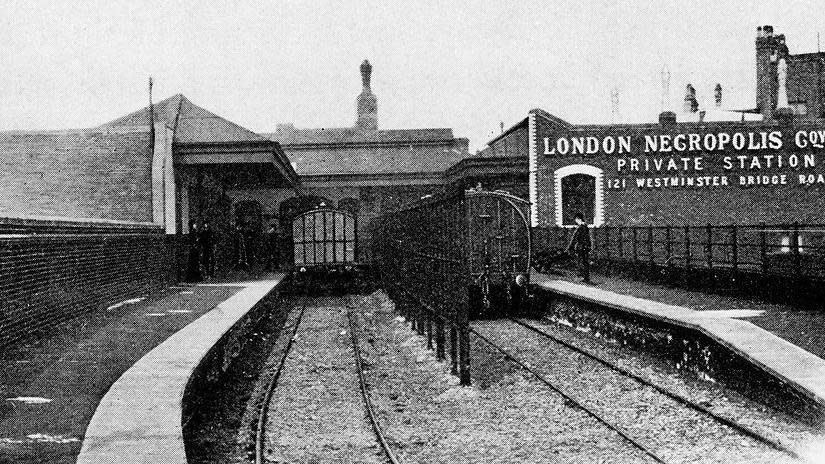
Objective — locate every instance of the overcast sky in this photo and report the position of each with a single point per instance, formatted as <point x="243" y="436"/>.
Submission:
<point x="468" y="66"/>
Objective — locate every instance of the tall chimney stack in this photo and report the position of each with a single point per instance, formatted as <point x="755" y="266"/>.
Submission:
<point x="367" y="102"/>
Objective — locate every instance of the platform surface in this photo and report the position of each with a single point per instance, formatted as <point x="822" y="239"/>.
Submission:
<point x="779" y="357"/>
<point x="52" y="382"/>
<point x="139" y="418"/>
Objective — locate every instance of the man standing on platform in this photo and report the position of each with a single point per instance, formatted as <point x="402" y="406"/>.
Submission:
<point x="241" y="257"/>
<point x="272" y="248"/>
<point x="207" y="249"/>
<point x="193" y="264"/>
<point x="580" y="245"/>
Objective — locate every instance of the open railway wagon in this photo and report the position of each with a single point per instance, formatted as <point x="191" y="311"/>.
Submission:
<point x="448" y="259"/>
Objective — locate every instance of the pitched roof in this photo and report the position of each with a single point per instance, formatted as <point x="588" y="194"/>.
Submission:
<point x="81" y="173"/>
<point x="287" y="134"/>
<point x="376" y="159"/>
<point x="192" y="123"/>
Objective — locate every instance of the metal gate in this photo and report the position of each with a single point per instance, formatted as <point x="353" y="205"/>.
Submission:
<point x="324" y="236"/>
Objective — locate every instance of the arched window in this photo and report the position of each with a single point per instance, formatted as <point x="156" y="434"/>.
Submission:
<point x="578" y="188"/>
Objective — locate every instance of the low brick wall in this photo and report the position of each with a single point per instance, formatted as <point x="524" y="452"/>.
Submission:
<point x="53" y="270"/>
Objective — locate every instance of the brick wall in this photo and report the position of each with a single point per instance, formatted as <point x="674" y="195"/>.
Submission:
<point x="805" y="82"/>
<point x="626" y="203"/>
<point x="89" y="173"/>
<point x="52" y="271"/>
<point x="512" y="144"/>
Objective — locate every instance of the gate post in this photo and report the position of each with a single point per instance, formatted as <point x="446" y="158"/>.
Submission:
<point x="429" y="330"/>
<point x="439" y="338"/>
<point x="420" y="316"/>
<point x="453" y="350"/>
<point x="464" y="347"/>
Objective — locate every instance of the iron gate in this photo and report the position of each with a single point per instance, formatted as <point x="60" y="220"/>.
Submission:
<point x="324" y="236"/>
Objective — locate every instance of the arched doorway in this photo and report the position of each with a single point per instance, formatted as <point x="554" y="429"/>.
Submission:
<point x="579" y="189"/>
<point x="578" y="195"/>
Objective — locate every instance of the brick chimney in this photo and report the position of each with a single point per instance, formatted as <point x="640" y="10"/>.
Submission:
<point x="769" y="49"/>
<point x="691" y="104"/>
<point x="367" y="102"/>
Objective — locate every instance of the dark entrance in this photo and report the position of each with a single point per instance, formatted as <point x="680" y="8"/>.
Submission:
<point x="578" y="194"/>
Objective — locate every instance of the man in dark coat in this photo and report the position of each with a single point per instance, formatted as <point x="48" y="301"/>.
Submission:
<point x="580" y="245"/>
<point x="241" y="256"/>
<point x="272" y="248"/>
<point x="207" y="246"/>
<point x="193" y="264"/>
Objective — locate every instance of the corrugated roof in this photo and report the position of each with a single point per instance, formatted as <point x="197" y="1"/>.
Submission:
<point x="194" y="124"/>
<point x="289" y="135"/>
<point x="376" y="159"/>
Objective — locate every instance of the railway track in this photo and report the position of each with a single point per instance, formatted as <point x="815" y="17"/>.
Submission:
<point x="687" y="402"/>
<point x="650" y="446"/>
<point x="260" y="442"/>
<point x="262" y="416"/>
<point x="359" y="367"/>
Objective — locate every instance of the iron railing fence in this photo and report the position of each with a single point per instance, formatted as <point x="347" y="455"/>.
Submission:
<point x="789" y="250"/>
<point x="419" y="254"/>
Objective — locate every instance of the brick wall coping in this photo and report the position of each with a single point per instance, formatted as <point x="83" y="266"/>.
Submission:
<point x="786" y="362"/>
<point x="139" y="418"/>
<point x="12" y="224"/>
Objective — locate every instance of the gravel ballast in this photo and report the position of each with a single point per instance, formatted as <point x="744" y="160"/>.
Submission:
<point x="428" y="418"/>
<point x="670" y="429"/>
<point x="316" y="413"/>
<point x="506" y="416"/>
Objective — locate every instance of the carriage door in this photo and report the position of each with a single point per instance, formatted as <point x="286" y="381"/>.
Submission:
<point x="499" y="242"/>
<point x="324" y="237"/>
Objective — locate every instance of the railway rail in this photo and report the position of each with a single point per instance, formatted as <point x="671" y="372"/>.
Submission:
<point x="687" y="402"/>
<point x="359" y="367"/>
<point x="262" y="416"/>
<point x="646" y="445"/>
<point x="260" y="437"/>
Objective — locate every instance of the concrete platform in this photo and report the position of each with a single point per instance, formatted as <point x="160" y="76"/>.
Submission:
<point x="789" y="363"/>
<point x="139" y="418"/>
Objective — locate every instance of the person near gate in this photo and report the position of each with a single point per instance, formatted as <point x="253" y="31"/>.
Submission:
<point x="580" y="245"/>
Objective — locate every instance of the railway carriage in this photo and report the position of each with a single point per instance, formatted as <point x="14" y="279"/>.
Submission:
<point x="470" y="250"/>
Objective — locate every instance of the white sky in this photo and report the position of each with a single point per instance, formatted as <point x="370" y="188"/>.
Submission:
<point x="436" y="64"/>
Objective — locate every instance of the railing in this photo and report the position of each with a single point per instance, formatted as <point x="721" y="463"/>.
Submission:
<point x="791" y="250"/>
<point x="420" y="255"/>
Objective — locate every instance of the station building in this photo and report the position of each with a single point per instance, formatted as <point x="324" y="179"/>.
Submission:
<point x="704" y="166"/>
<point x="174" y="162"/>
